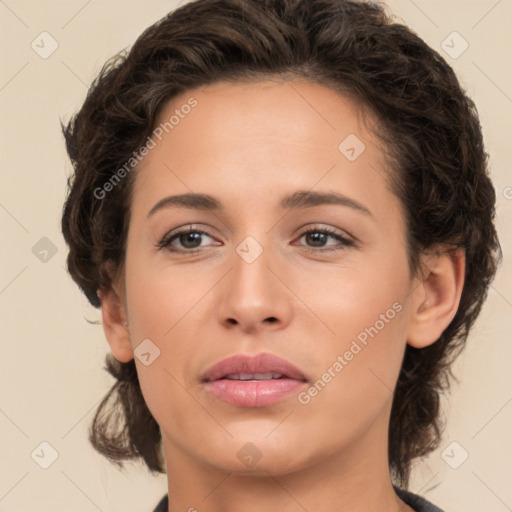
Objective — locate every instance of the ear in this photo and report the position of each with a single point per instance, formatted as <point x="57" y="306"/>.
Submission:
<point x="437" y="297"/>
<point x="115" y="323"/>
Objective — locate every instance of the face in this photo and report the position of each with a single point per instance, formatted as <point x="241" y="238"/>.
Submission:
<point x="299" y="253"/>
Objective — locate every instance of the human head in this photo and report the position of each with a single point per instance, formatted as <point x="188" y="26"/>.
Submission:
<point x="428" y="127"/>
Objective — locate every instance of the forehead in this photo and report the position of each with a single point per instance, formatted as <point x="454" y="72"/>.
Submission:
<point x="282" y="111"/>
<point x="257" y="138"/>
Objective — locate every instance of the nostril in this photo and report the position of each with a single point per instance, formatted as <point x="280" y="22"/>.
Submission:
<point x="271" y="319"/>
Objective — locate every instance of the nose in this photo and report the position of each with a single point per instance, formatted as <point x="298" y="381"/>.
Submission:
<point x="254" y="295"/>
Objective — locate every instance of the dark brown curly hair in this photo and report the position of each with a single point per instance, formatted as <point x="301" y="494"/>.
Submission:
<point x="429" y="127"/>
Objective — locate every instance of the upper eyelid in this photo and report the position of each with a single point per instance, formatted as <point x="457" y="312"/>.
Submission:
<point x="300" y="232"/>
<point x="184" y="230"/>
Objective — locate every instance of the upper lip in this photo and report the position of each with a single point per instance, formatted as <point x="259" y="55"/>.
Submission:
<point x="260" y="363"/>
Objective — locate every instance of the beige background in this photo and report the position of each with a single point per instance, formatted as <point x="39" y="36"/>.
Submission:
<point x="52" y="359"/>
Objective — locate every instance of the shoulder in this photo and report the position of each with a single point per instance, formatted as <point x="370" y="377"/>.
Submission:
<point x="418" y="503"/>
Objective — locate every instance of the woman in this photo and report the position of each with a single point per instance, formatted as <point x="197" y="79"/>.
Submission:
<point x="283" y="210"/>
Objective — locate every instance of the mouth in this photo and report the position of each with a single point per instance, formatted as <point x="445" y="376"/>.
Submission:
<point x="254" y="376"/>
<point x="253" y="381"/>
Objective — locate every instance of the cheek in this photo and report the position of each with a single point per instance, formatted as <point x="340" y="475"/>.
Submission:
<point x="158" y="303"/>
<point x="160" y="298"/>
<point x="355" y="378"/>
<point x="166" y="397"/>
<point x="357" y="369"/>
<point x="364" y="293"/>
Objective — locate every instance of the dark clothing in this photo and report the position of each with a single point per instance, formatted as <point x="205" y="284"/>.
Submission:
<point x="413" y="500"/>
<point x="418" y="503"/>
<point x="163" y="505"/>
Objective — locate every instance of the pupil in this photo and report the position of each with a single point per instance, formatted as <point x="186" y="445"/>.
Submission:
<point x="194" y="238"/>
<point x="318" y="239"/>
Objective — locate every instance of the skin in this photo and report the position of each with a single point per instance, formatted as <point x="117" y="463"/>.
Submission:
<point x="248" y="145"/>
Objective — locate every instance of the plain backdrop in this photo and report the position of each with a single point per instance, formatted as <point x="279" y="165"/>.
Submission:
<point x="51" y="364"/>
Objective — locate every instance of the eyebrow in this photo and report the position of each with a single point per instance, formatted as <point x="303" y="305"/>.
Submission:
<point x="307" y="199"/>
<point x="299" y="199"/>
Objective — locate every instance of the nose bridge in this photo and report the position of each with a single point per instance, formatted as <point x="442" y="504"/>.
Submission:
<point x="252" y="294"/>
<point x="251" y="268"/>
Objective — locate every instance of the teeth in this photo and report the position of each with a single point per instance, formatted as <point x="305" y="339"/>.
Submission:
<point x="253" y="376"/>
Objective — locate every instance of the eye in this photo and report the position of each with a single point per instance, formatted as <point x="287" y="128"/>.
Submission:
<point x="184" y="240"/>
<point x="317" y="240"/>
<point x="190" y="240"/>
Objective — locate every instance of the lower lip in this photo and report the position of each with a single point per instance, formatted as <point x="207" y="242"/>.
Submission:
<point x="254" y="393"/>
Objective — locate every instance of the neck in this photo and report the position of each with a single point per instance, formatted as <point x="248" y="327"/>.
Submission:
<point x="353" y="479"/>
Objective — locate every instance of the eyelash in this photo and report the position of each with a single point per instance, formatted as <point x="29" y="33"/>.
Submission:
<point x="165" y="243"/>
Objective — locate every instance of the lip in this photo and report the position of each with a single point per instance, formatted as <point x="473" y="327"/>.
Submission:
<point x="253" y="393"/>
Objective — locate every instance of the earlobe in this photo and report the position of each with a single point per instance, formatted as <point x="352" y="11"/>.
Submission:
<point x="115" y="325"/>
<point x="437" y="297"/>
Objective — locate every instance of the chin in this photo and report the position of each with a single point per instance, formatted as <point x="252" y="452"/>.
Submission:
<point x="253" y="456"/>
